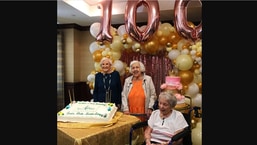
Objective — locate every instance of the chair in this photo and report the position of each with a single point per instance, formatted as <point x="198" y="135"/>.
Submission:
<point x="185" y="134"/>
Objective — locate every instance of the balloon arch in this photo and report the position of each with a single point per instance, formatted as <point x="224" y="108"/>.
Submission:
<point x="163" y="48"/>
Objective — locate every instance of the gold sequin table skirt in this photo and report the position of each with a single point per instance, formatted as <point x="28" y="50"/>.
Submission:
<point x="115" y="132"/>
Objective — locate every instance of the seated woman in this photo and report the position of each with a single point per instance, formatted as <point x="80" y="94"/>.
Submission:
<point x="165" y="122"/>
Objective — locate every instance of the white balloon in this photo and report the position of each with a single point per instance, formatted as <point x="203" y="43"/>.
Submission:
<point x="173" y="54"/>
<point x="198" y="59"/>
<point x="121" y="30"/>
<point x="192" y="52"/>
<point x="94" y="29"/>
<point x="184" y="51"/>
<point x="91" y="77"/>
<point x="197" y="133"/>
<point x="118" y="65"/>
<point x="197" y="100"/>
<point x="142" y="28"/>
<point x="192" y="90"/>
<point x="93" y="47"/>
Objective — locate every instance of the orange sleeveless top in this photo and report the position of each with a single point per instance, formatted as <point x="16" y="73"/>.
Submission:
<point x="136" y="98"/>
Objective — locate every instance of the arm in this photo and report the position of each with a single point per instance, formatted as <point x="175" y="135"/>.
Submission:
<point x="180" y="124"/>
<point x="119" y="89"/>
<point x="179" y="141"/>
<point x="152" y="94"/>
<point x="124" y="97"/>
<point x="147" y="135"/>
<point x="95" y="94"/>
<point x="152" y="97"/>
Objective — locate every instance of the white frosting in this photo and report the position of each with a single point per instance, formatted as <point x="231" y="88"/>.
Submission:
<point x="181" y="101"/>
<point x="87" y="112"/>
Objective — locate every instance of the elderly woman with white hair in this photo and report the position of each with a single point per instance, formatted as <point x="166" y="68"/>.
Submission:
<point x="138" y="94"/>
<point x="107" y="86"/>
<point x="165" y="122"/>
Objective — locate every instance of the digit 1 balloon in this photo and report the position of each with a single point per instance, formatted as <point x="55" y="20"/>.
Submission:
<point x="104" y="33"/>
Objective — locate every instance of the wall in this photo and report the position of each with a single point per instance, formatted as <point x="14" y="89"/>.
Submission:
<point x="78" y="59"/>
<point x="77" y="63"/>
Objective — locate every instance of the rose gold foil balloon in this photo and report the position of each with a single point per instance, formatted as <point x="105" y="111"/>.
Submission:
<point x="183" y="27"/>
<point x="104" y="34"/>
<point x="153" y="19"/>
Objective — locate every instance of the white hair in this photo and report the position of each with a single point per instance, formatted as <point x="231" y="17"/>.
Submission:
<point x="142" y="66"/>
<point x="106" y="58"/>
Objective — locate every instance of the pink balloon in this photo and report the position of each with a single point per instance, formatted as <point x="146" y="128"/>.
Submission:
<point x="104" y="34"/>
<point x="153" y="19"/>
<point x="180" y="21"/>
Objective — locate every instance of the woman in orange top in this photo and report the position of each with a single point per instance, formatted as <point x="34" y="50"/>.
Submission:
<point x="138" y="94"/>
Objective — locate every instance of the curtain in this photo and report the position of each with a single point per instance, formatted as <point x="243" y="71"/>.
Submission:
<point x="157" y="66"/>
<point x="60" y="72"/>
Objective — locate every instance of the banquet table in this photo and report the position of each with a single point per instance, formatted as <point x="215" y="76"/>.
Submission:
<point x="114" y="133"/>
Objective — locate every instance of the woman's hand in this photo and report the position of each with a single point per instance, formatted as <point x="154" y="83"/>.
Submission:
<point x="126" y="112"/>
<point x="149" y="112"/>
<point x="178" y="142"/>
<point x="165" y="143"/>
<point x="118" y="106"/>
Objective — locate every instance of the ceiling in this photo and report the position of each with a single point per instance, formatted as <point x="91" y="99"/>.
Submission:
<point x="67" y="14"/>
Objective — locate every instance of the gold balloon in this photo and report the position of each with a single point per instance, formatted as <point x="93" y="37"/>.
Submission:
<point x="91" y="85"/>
<point x="152" y="46"/>
<point x="173" y="61"/>
<point x="127" y="69"/>
<point x="195" y="66"/>
<point x="190" y="24"/>
<point x="174" y="46"/>
<point x="125" y="36"/>
<point x="185" y="46"/>
<point x="174" y="37"/>
<point x="93" y="72"/>
<point x="186" y="77"/>
<point x="185" y="88"/>
<point x="108" y="56"/>
<point x="163" y="40"/>
<point x="198" y="54"/>
<point x="97" y="55"/>
<point x="200" y="87"/>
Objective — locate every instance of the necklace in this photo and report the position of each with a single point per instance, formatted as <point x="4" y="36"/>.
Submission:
<point x="165" y="116"/>
<point x="108" y="92"/>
